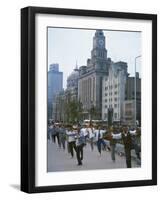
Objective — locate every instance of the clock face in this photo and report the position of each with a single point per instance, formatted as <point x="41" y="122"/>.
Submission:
<point x="100" y="42"/>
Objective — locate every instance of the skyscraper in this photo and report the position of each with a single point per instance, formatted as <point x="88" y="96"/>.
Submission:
<point x="55" y="85"/>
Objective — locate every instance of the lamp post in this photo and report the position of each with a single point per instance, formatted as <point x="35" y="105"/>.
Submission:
<point x="135" y="87"/>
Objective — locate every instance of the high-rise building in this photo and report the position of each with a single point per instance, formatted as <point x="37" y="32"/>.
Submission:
<point x="55" y="85"/>
<point x="91" y="76"/>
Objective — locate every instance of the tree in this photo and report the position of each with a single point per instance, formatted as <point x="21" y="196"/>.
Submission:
<point x="72" y="109"/>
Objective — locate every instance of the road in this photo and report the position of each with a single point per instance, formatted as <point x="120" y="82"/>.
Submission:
<point x="60" y="160"/>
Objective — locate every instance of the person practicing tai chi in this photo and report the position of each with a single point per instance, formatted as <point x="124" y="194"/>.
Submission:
<point x="90" y="131"/>
<point x="71" y="133"/>
<point x="99" y="139"/>
<point x="126" y="135"/>
<point x="80" y="143"/>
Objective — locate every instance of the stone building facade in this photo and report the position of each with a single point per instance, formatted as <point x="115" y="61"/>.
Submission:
<point x="130" y="96"/>
<point x="91" y="76"/>
<point x="72" y="84"/>
<point x="113" y="91"/>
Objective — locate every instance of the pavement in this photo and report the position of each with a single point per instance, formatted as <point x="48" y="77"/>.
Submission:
<point x="60" y="160"/>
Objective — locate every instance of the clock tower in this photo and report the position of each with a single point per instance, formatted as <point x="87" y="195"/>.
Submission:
<point x="91" y="76"/>
<point x="99" y="52"/>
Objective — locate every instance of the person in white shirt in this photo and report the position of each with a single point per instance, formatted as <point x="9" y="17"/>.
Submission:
<point x="115" y="135"/>
<point x="71" y="133"/>
<point x="90" y="131"/>
<point x="99" y="138"/>
<point x="84" y="132"/>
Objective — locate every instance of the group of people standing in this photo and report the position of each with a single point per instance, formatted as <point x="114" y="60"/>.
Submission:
<point x="78" y="136"/>
<point x="129" y="140"/>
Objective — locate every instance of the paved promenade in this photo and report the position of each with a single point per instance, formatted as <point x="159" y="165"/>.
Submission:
<point x="60" y="160"/>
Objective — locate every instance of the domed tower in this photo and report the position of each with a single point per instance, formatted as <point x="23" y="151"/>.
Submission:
<point x="72" y="83"/>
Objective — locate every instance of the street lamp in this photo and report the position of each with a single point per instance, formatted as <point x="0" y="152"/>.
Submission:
<point x="135" y="86"/>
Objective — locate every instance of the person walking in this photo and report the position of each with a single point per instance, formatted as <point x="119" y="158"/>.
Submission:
<point x="80" y="142"/>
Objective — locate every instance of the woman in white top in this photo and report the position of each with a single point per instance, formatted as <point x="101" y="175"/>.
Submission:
<point x="90" y="131"/>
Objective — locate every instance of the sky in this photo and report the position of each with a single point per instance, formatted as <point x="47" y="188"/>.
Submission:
<point x="67" y="46"/>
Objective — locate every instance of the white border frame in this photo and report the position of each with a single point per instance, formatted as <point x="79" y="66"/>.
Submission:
<point x="64" y="178"/>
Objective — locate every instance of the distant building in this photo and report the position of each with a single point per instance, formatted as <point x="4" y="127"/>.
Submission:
<point x="72" y="84"/>
<point x="113" y="92"/>
<point x="128" y="112"/>
<point x="91" y="76"/>
<point x="130" y="95"/>
<point x="59" y="106"/>
<point x="55" y="85"/>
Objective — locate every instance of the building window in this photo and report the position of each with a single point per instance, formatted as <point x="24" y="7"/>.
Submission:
<point x="115" y="105"/>
<point x="115" y="99"/>
<point x="106" y="94"/>
<point x="129" y="113"/>
<point x="115" y="92"/>
<point x="115" y="85"/>
<point x="105" y="100"/>
<point x="105" y="106"/>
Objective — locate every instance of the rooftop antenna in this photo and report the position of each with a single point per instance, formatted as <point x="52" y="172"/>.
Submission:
<point x="76" y="66"/>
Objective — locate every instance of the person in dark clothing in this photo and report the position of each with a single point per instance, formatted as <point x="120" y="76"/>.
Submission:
<point x="56" y="135"/>
<point x="53" y="134"/>
<point x="62" y="136"/>
<point x="80" y="142"/>
<point x="127" y="141"/>
<point x="126" y="137"/>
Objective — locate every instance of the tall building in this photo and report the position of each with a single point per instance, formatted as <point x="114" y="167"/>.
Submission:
<point x="130" y="98"/>
<point x="91" y="76"/>
<point x="113" y="92"/>
<point x="55" y="85"/>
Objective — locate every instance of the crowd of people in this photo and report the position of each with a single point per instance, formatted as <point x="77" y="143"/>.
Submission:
<point x="76" y="137"/>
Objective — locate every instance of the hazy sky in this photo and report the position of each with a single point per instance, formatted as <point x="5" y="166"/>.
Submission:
<point x="68" y="46"/>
